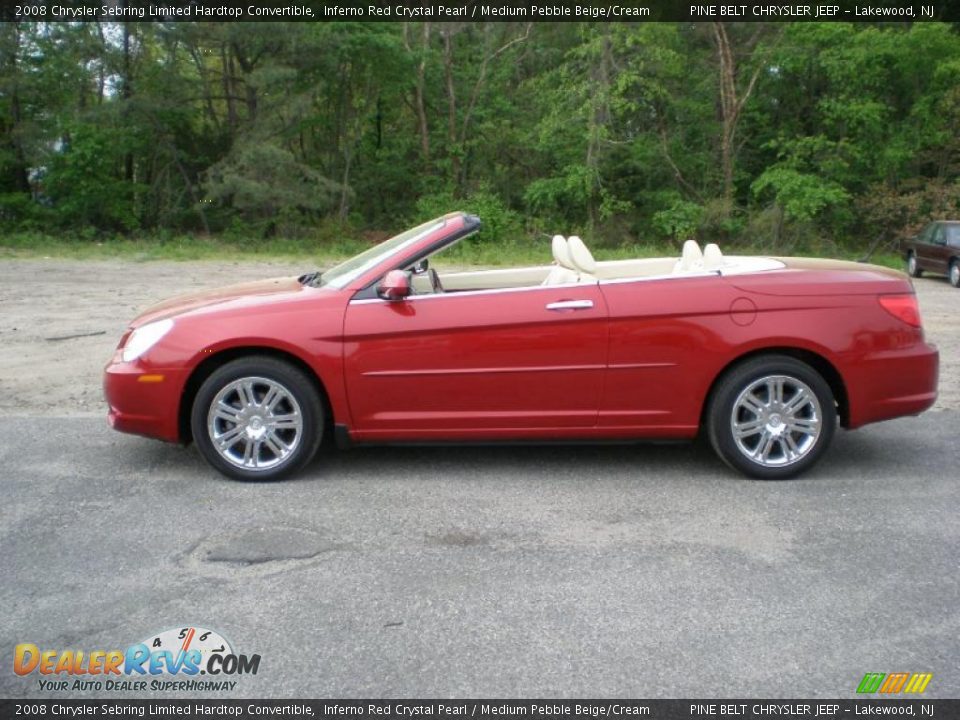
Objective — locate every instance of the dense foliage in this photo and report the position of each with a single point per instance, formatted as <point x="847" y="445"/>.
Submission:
<point x="775" y="135"/>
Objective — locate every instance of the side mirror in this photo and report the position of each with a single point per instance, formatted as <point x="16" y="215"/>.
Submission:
<point x="394" y="286"/>
<point x="421" y="267"/>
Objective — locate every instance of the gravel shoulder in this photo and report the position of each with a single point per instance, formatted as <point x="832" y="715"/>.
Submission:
<point x="61" y="319"/>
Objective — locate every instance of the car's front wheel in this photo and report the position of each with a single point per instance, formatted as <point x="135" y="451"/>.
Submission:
<point x="913" y="269"/>
<point x="257" y="418"/>
<point x="772" y="417"/>
<point x="955" y="273"/>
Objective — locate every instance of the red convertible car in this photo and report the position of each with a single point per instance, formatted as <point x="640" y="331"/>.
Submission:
<point x="765" y="355"/>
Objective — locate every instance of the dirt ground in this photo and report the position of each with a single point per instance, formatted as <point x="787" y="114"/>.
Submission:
<point x="60" y="321"/>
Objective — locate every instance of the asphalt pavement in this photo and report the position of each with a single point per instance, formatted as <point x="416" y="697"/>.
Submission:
<point x="585" y="571"/>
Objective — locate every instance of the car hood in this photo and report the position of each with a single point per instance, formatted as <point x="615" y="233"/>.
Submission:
<point x="255" y="292"/>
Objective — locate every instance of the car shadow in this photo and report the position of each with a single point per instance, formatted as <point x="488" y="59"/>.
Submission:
<point x="851" y="454"/>
<point x="529" y="460"/>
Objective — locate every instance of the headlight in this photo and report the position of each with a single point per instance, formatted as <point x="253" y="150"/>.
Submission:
<point x="144" y="338"/>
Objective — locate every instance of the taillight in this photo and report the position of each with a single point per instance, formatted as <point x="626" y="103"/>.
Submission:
<point x="903" y="307"/>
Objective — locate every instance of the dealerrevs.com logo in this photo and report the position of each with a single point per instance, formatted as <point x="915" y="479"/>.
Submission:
<point x="172" y="660"/>
<point x="894" y="683"/>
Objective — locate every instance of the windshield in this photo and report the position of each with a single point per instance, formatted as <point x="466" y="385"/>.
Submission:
<point x="343" y="274"/>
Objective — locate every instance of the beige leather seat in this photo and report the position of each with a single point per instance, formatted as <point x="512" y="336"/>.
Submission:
<point x="691" y="260"/>
<point x="582" y="259"/>
<point x="712" y="257"/>
<point x="563" y="272"/>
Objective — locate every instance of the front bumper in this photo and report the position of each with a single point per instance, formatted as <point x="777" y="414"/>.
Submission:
<point x="143" y="401"/>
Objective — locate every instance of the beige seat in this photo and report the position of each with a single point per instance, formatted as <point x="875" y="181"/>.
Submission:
<point x="691" y="260"/>
<point x="563" y="272"/>
<point x="582" y="259"/>
<point x="712" y="257"/>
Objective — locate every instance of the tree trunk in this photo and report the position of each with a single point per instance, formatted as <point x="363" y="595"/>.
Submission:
<point x="732" y="101"/>
<point x="227" y="79"/>
<point x="344" y="210"/>
<point x="729" y="109"/>
<point x="461" y="142"/>
<point x="423" y="127"/>
<point x="247" y="65"/>
<point x="599" y="117"/>
<point x="198" y="62"/>
<point x="127" y="93"/>
<point x="21" y="177"/>
<point x="10" y="130"/>
<point x="452" y="148"/>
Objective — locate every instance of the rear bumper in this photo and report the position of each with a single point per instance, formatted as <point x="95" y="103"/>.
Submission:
<point x="143" y="401"/>
<point x="892" y="384"/>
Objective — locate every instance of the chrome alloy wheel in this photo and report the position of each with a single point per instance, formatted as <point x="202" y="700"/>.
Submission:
<point x="912" y="264"/>
<point x="776" y="420"/>
<point x="255" y="423"/>
<point x="955" y="274"/>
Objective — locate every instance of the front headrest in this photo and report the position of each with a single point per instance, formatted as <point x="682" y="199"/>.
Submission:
<point x="561" y="252"/>
<point x="712" y="257"/>
<point x="581" y="257"/>
<point x="692" y="256"/>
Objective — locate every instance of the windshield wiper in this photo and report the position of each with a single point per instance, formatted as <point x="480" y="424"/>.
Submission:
<point x="312" y="278"/>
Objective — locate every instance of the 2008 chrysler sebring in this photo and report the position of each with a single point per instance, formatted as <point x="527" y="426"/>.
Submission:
<point x="766" y="355"/>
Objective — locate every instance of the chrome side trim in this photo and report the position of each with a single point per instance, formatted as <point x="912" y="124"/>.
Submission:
<point x="482" y="370"/>
<point x="472" y="293"/>
<point x="666" y="276"/>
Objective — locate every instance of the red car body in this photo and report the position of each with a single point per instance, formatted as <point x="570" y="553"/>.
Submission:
<point x="640" y="362"/>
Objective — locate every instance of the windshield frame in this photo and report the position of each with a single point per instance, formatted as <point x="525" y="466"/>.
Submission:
<point x="341" y="275"/>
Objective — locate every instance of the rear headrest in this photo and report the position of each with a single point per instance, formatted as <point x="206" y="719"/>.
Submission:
<point x="561" y="252"/>
<point x="582" y="259"/>
<point x="692" y="256"/>
<point x="712" y="257"/>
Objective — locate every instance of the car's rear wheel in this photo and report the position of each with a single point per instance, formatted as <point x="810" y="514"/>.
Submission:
<point x="955" y="273"/>
<point x="772" y="417"/>
<point x="913" y="269"/>
<point x="257" y="418"/>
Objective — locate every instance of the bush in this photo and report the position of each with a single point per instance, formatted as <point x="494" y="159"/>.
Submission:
<point x="84" y="183"/>
<point x="19" y="211"/>
<point x="679" y="221"/>
<point x="500" y="224"/>
<point x="902" y="212"/>
<point x="274" y="194"/>
<point x="803" y="196"/>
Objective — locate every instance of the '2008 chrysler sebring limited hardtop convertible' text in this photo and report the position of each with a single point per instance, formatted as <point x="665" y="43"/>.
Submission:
<point x="765" y="355"/>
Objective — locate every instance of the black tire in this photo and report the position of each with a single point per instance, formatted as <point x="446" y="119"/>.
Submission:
<point x="733" y="387"/>
<point x="913" y="267"/>
<point x="299" y="403"/>
<point x="953" y="273"/>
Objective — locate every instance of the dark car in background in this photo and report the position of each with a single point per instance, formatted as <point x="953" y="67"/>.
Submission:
<point x="936" y="249"/>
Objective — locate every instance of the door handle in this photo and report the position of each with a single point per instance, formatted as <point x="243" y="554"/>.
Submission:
<point x="570" y="305"/>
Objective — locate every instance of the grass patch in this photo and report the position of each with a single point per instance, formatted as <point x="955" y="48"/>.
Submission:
<point x="327" y="252"/>
<point x="888" y="259"/>
<point x="176" y="248"/>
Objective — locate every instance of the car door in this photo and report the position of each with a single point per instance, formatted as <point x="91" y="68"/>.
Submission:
<point x="953" y="240"/>
<point x="924" y="247"/>
<point x="939" y="252"/>
<point x="667" y="340"/>
<point x="474" y="364"/>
